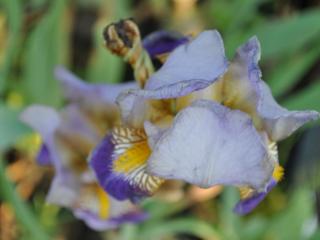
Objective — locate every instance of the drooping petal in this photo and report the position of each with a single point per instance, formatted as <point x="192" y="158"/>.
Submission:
<point x="190" y="67"/>
<point x="78" y="90"/>
<point x="210" y="144"/>
<point x="248" y="204"/>
<point x="44" y="120"/>
<point x="91" y="204"/>
<point x="119" y="162"/>
<point x="76" y="123"/>
<point x="244" y="90"/>
<point x="96" y="101"/>
<point x="67" y="136"/>
<point x="101" y="225"/>
<point x="161" y="42"/>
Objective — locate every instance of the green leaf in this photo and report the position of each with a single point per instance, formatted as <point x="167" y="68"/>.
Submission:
<point x="279" y="37"/>
<point x="42" y="54"/>
<point x="307" y="98"/>
<point x="192" y="226"/>
<point x="230" y="222"/>
<point x="288" y="224"/>
<point x="128" y="232"/>
<point x="105" y="67"/>
<point x="10" y="126"/>
<point x="22" y="211"/>
<point x="287" y="73"/>
<point x="159" y="209"/>
<point x="254" y="228"/>
<point x="14" y="12"/>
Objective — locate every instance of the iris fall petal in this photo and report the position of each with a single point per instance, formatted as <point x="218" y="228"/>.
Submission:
<point x="210" y="144"/>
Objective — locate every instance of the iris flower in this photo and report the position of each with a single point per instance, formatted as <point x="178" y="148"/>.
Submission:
<point x="200" y="119"/>
<point x="68" y="137"/>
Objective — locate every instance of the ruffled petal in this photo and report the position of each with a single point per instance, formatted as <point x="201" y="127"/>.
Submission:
<point x="278" y="121"/>
<point x="244" y="90"/>
<point x="246" y="205"/>
<point x="119" y="163"/>
<point x="161" y="42"/>
<point x="210" y="144"/>
<point x="190" y="67"/>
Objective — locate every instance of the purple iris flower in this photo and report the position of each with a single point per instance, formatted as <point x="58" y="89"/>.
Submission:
<point x="68" y="138"/>
<point x="200" y="119"/>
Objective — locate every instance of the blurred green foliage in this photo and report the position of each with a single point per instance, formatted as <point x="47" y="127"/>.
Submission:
<point x="38" y="35"/>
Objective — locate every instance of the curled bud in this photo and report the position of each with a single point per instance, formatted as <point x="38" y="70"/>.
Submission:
<point x="123" y="39"/>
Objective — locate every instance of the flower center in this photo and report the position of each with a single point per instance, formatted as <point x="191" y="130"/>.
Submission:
<point x="133" y="157"/>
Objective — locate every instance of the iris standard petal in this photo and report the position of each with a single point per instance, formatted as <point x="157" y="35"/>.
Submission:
<point x="119" y="163"/>
<point x="190" y="67"/>
<point x="245" y="90"/>
<point x="278" y="121"/>
<point x="134" y="109"/>
<point x="238" y="90"/>
<point x="211" y="144"/>
<point x="161" y="42"/>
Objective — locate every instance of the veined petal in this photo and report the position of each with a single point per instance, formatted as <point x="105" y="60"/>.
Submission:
<point x="161" y="42"/>
<point x="211" y="144"/>
<point x="119" y="162"/>
<point x="190" y="67"/>
<point x="243" y="89"/>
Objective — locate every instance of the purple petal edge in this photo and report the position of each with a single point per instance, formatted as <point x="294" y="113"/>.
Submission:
<point x="163" y="42"/>
<point x="98" y="224"/>
<point x="245" y="206"/>
<point x="113" y="183"/>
